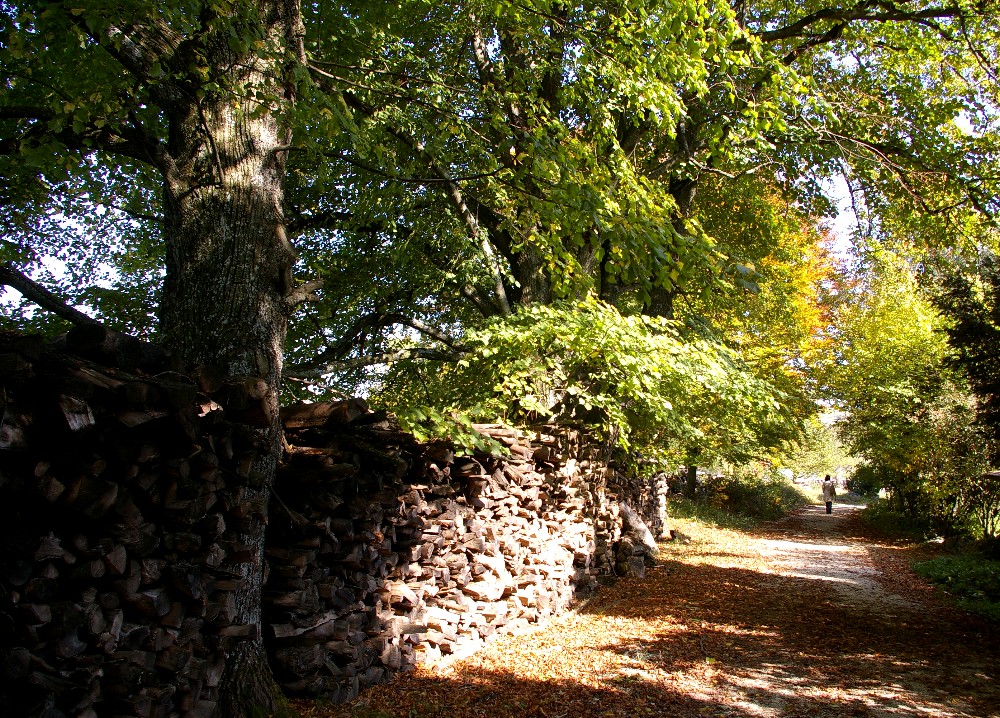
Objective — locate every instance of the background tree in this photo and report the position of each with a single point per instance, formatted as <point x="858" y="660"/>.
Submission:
<point x="910" y="415"/>
<point x="968" y="290"/>
<point x="502" y="155"/>
<point x="819" y="451"/>
<point x="773" y="309"/>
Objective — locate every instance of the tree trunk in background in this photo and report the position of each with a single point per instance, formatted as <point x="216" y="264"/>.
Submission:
<point x="691" y="482"/>
<point x="661" y="299"/>
<point x="534" y="283"/>
<point x="228" y="271"/>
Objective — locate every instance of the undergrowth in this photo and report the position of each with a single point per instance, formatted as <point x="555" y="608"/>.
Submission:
<point x="740" y="503"/>
<point x="880" y="516"/>
<point x="972" y="580"/>
<point x="850" y="498"/>
<point x="699" y="510"/>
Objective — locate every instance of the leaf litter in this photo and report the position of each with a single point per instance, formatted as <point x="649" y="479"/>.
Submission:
<point x="809" y="616"/>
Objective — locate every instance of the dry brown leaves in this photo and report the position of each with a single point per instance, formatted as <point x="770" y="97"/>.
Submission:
<point x="723" y="628"/>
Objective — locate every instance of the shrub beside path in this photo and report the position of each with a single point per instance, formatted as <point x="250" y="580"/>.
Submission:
<point x="808" y="616"/>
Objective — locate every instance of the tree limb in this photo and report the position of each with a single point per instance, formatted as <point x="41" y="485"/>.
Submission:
<point x="320" y="220"/>
<point x="472" y="296"/>
<point x="12" y="277"/>
<point x="479" y="50"/>
<point x="132" y="142"/>
<point x="423" y="328"/>
<point x="469" y="210"/>
<point x="346" y="222"/>
<point x="305" y="292"/>
<point x="25" y="112"/>
<point x="140" y="47"/>
<point x="871" y="10"/>
<point x="361" y="362"/>
<point x="834" y="33"/>
<point x="335" y="353"/>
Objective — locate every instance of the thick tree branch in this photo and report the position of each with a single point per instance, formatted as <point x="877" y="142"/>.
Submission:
<point x="375" y="360"/>
<point x="89" y="338"/>
<point x="25" y="112"/>
<point x="484" y="65"/>
<point x="469" y="210"/>
<point x="834" y="33"/>
<point x="331" y="219"/>
<point x="871" y="11"/>
<point x="128" y="141"/>
<point x="422" y="327"/>
<point x="484" y="307"/>
<point x="335" y="353"/>
<point x="305" y="292"/>
<point x="345" y="222"/>
<point x="552" y="78"/>
<point x="144" y="49"/>
<point x="12" y="277"/>
<point x="395" y="177"/>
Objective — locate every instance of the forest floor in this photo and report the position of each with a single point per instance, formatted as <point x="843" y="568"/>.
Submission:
<point x="812" y="615"/>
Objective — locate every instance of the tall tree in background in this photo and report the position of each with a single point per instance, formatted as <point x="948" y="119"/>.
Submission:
<point x="968" y="291"/>
<point x="488" y="155"/>
<point x="501" y="154"/>
<point x="910" y="415"/>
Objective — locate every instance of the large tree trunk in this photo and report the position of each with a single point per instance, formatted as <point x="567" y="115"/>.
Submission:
<point x="534" y="284"/>
<point x="228" y="271"/>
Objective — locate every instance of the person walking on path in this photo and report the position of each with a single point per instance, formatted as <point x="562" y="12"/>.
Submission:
<point x="828" y="493"/>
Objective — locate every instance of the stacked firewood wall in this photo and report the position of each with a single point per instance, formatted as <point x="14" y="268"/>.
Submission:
<point x="121" y="489"/>
<point x="385" y="553"/>
<point x="118" y="493"/>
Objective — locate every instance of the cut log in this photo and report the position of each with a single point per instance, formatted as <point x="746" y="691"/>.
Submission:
<point x="300" y="416"/>
<point x="76" y="412"/>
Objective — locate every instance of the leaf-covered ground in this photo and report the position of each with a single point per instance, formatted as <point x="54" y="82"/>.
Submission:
<point x="810" y="616"/>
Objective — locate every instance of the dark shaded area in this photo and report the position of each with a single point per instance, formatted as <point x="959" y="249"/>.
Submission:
<point x="968" y="292"/>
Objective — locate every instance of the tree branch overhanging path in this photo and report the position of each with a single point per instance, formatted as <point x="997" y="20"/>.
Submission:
<point x="807" y="616"/>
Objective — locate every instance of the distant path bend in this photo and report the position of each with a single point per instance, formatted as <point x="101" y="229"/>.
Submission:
<point x="811" y="544"/>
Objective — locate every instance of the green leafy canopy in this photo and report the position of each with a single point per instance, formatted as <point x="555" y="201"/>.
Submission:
<point x="646" y="383"/>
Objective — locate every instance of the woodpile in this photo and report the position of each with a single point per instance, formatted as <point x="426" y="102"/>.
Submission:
<point x="124" y="490"/>
<point x="384" y="553"/>
<point x="119" y="494"/>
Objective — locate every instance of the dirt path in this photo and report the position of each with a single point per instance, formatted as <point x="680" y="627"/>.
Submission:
<point x="809" y="616"/>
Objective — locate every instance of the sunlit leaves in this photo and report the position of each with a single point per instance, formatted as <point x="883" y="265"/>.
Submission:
<point x="911" y="416"/>
<point x="646" y="383"/>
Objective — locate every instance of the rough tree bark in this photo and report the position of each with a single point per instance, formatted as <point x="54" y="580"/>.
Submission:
<point x="228" y="274"/>
<point x="209" y="87"/>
